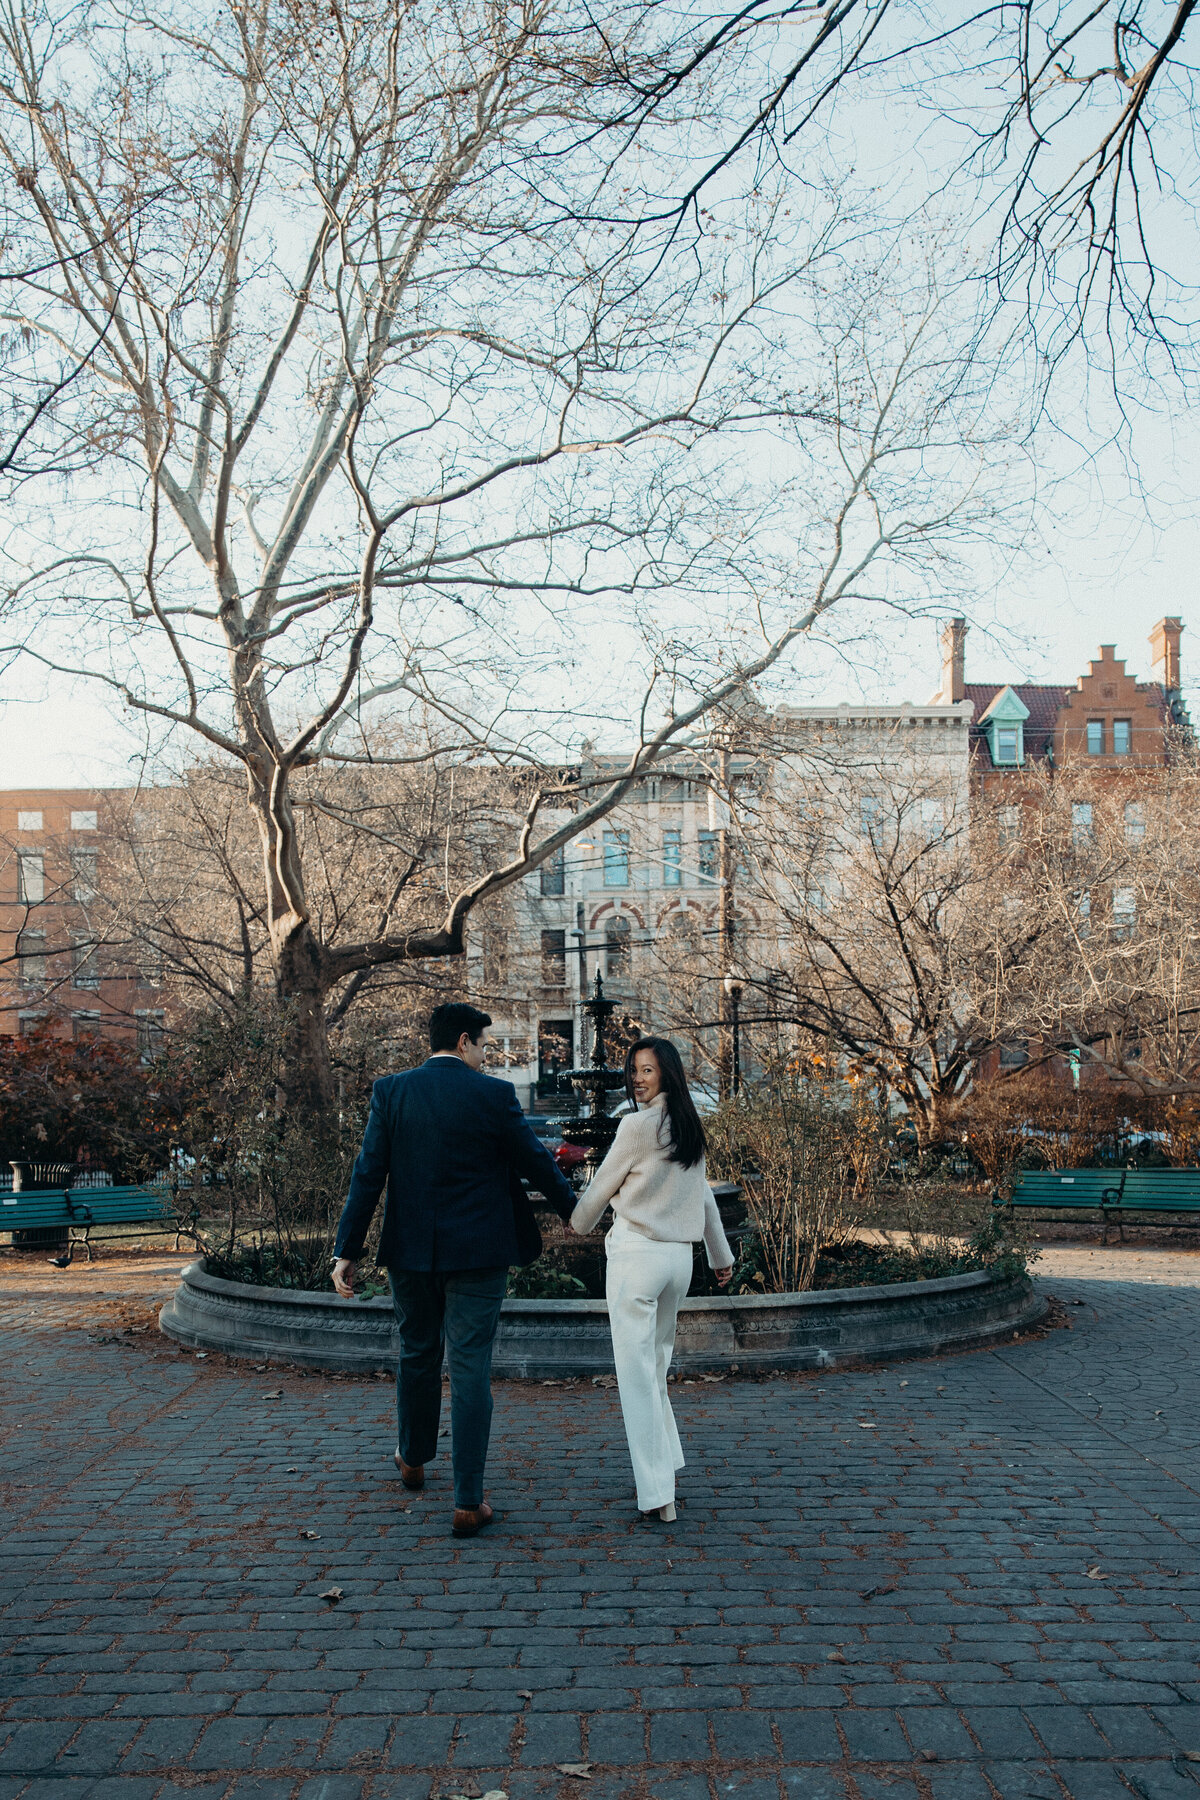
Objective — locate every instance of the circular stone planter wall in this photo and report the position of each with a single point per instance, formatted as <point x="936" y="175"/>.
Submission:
<point x="554" y="1338"/>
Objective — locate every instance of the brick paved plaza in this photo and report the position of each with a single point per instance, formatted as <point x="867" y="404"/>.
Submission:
<point x="953" y="1579"/>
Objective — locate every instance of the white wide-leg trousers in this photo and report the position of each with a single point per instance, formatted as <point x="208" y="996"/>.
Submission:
<point x="645" y="1282"/>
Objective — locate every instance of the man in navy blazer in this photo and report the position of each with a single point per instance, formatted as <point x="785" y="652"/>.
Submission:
<point x="450" y="1142"/>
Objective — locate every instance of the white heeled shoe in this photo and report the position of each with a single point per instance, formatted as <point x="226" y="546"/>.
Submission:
<point x="666" y="1514"/>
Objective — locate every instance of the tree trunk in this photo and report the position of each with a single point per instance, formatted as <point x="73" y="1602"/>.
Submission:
<point x="302" y="987"/>
<point x="303" y="976"/>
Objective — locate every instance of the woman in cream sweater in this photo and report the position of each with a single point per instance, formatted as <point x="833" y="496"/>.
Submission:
<point x="653" y="1177"/>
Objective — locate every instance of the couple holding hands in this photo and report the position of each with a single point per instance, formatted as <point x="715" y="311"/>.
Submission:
<point x="451" y="1144"/>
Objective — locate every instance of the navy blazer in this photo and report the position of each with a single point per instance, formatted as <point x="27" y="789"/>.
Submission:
<point x="448" y="1141"/>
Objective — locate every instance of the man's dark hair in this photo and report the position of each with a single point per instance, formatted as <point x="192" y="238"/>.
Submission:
<point x="447" y="1024"/>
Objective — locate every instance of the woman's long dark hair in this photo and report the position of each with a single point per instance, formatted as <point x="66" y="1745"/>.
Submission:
<point x="687" y="1133"/>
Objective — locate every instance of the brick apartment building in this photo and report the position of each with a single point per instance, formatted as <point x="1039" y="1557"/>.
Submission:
<point x="1107" y="720"/>
<point x="55" y="961"/>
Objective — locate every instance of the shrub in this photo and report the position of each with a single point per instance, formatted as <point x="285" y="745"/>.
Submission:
<point x="807" y="1154"/>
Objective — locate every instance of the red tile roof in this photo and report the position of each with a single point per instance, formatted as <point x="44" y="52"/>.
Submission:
<point x="1043" y="703"/>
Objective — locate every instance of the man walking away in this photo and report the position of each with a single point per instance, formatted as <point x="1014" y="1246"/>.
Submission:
<point x="450" y="1142"/>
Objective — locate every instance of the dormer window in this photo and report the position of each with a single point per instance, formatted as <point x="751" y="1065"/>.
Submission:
<point x="1004" y="723"/>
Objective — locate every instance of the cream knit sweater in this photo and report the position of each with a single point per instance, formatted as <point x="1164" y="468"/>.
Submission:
<point x="659" y="1198"/>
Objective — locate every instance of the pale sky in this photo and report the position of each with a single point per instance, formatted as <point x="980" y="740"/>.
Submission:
<point x="1121" y="549"/>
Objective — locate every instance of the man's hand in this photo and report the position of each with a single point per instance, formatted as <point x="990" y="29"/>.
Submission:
<point x="723" y="1276"/>
<point x="344" y="1271"/>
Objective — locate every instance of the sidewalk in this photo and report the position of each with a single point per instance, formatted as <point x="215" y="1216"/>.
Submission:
<point x="951" y="1579"/>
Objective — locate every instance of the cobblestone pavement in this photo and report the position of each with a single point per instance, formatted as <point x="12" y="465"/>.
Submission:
<point x="950" y="1579"/>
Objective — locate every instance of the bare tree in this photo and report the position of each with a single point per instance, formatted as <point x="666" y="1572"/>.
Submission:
<point x="392" y="394"/>
<point x="900" y="923"/>
<point x="1065" y="130"/>
<point x="1116" y="983"/>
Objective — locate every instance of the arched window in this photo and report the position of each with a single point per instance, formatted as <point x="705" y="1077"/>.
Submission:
<point x="617" y="947"/>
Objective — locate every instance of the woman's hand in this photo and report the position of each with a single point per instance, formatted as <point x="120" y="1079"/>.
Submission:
<point x="723" y="1276"/>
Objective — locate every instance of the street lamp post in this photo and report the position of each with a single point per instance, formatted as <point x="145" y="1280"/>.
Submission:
<point x="733" y="987"/>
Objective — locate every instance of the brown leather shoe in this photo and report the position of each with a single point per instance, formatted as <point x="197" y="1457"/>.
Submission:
<point x="471" y="1519"/>
<point x="412" y="1478"/>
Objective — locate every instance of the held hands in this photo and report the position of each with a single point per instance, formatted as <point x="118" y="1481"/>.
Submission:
<point x="722" y="1276"/>
<point x="344" y="1271"/>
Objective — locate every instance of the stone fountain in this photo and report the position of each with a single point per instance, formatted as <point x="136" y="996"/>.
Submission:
<point x="596" y="1128"/>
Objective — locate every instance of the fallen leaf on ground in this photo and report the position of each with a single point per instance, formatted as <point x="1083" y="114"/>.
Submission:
<point x="712" y="1378"/>
<point x="604" y="1381"/>
<point x="927" y="1756"/>
<point x="275" y="1394"/>
<point x="1095" y="1573"/>
<point x="291" y="1470"/>
<point x="495" y="1794"/>
<point x="581" y="1771"/>
<point x="331" y="1594"/>
<point x="871" y="1593"/>
<point x="866" y="1425"/>
<point x="1191" y="1755"/>
<point x="524" y="1693"/>
<point x="310" y="1534"/>
<point x="834" y="1656"/>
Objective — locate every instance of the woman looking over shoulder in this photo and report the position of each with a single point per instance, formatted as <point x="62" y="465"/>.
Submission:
<point x="654" y="1178"/>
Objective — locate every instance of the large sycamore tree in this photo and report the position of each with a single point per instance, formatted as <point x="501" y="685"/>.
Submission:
<point x="378" y="375"/>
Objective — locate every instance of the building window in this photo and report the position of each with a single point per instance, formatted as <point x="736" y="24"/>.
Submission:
<point x="83" y="870"/>
<point x="673" y="858"/>
<point x="709" y="855"/>
<point x="1008" y="826"/>
<point x="150" y="1033"/>
<point x="555" y="1052"/>
<point x="84" y="970"/>
<point x="1008" y="743"/>
<point x="1135" y="822"/>
<point x="1081" y="823"/>
<point x="83" y="821"/>
<point x="1095" y="737"/>
<point x="1124" y="911"/>
<point x="554" y="959"/>
<point x="868" y="814"/>
<point x="85" y="1025"/>
<point x="31" y="958"/>
<point x="1122" y="737"/>
<point x="933" y="820"/>
<point x="552" y="875"/>
<point x="616" y="859"/>
<point x="1083" y="913"/>
<point x="616" y="947"/>
<point x="29" y="821"/>
<point x="1014" y="1056"/>
<point x="29" y="1022"/>
<point x="31" y="876"/>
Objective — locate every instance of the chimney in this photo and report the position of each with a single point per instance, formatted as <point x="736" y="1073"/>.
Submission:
<point x="954" y="660"/>
<point x="1164" y="652"/>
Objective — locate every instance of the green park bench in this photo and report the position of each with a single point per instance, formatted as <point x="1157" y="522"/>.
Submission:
<point x="71" y="1216"/>
<point x="1114" y="1193"/>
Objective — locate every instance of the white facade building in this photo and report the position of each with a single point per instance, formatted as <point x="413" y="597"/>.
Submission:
<point x="649" y="875"/>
